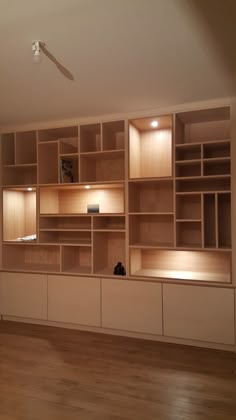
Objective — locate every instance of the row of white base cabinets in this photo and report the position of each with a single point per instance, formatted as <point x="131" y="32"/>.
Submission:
<point x="204" y="314"/>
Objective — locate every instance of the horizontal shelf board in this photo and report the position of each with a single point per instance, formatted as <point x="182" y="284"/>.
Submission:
<point x="65" y="215"/>
<point x="21" y="165"/>
<point x="78" y="185"/>
<point x="80" y="214"/>
<point x="48" y="141"/>
<point x="18" y="186"/>
<point x="203" y="192"/>
<point x="184" y="246"/>
<point x="188" y="220"/>
<point x="65" y="230"/>
<point x="43" y="268"/>
<point x="68" y="243"/>
<point x="187" y="162"/>
<point x="184" y="275"/>
<point x="78" y="270"/>
<point x="67" y="155"/>
<point x="221" y="248"/>
<point x="160" y="179"/>
<point x="107" y="272"/>
<point x="18" y="241"/>
<point x="202" y="177"/>
<point x="189" y="144"/>
<point x="216" y="160"/>
<point x="104" y="154"/>
<point x="109" y="230"/>
<point x="31" y="243"/>
<point x="152" y="213"/>
<point x="153" y="245"/>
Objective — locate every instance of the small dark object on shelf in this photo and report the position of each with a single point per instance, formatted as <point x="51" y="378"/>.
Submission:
<point x="119" y="269"/>
<point x="93" y="208"/>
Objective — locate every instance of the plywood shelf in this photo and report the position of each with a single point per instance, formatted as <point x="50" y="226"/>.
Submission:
<point x="180" y="264"/>
<point x="69" y="200"/>
<point x="65" y="230"/>
<point x="76" y="259"/>
<point x="105" y="154"/>
<point x="183" y="275"/>
<point x="113" y="135"/>
<point x="203" y="126"/>
<point x="65" y="236"/>
<point x="90" y="138"/>
<point x="164" y="213"/>
<point x="152" y="244"/>
<point x="189" y="234"/>
<point x="68" y="146"/>
<point x="97" y="168"/>
<point x="151" y="197"/>
<point x="109" y="249"/>
<point x="109" y="223"/>
<point x="150" y="150"/>
<point x="151" y="229"/>
<point x="19" y="175"/>
<point x="58" y="134"/>
<point x="19" y="213"/>
<point x="31" y="257"/>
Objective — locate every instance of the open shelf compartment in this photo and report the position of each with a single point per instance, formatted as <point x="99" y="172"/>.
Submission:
<point x="208" y="125"/>
<point x="189" y="234"/>
<point x="102" y="167"/>
<point x="109" y="223"/>
<point x="151" y="196"/>
<point x="65" y="237"/>
<point x="48" y="163"/>
<point x="57" y="222"/>
<point x="31" y="257"/>
<point x="188" y="207"/>
<point x="76" y="199"/>
<point x="151" y="230"/>
<point x="150" y="149"/>
<point x="109" y="249"/>
<point x="113" y="135"/>
<point x="76" y="259"/>
<point x="224" y="220"/>
<point x="206" y="266"/>
<point x="90" y="138"/>
<point x="19" y="213"/>
<point x="60" y="133"/>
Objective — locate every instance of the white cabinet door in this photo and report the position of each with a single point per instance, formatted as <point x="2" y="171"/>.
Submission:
<point x="199" y="313"/>
<point x="24" y="295"/>
<point x="74" y="300"/>
<point x="132" y="306"/>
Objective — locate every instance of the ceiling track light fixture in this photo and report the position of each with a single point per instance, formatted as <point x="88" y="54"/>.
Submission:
<point x="39" y="49"/>
<point x="36" y="48"/>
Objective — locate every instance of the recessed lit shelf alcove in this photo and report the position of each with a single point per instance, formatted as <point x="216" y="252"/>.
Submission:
<point x="181" y="265"/>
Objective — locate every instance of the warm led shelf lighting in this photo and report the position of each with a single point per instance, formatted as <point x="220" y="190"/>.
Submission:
<point x="87" y="187"/>
<point x="154" y="124"/>
<point x="29" y="189"/>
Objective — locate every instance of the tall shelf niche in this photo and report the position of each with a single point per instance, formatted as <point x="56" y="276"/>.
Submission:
<point x="55" y="146"/>
<point x="19" y="158"/>
<point x="202" y="171"/>
<point x="19" y="213"/>
<point x="150" y="148"/>
<point x="151" y="213"/>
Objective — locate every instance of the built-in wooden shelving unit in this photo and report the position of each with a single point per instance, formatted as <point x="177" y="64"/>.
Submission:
<point x="163" y="191"/>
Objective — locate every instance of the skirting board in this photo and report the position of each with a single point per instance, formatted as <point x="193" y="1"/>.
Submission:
<point x="171" y="340"/>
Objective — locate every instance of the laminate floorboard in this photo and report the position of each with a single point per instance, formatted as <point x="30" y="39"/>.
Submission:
<point x="58" y="374"/>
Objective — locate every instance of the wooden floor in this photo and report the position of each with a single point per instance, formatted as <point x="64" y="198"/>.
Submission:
<point x="56" y="374"/>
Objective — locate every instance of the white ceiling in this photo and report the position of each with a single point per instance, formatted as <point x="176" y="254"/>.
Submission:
<point x="125" y="55"/>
